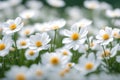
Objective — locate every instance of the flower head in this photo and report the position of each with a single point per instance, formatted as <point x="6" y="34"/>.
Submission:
<point x="12" y="26"/>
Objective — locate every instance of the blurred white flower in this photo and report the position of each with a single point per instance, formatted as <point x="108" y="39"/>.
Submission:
<point x="12" y="26"/>
<point x="104" y="6"/>
<point x="92" y="4"/>
<point x="105" y="36"/>
<point x="83" y="23"/>
<point x="35" y="4"/>
<point x="38" y="71"/>
<point x="39" y="41"/>
<point x="74" y="13"/>
<point x="31" y="54"/>
<point x="116" y="33"/>
<point x="93" y="44"/>
<point x="26" y="14"/>
<point x="118" y="59"/>
<point x="20" y="73"/>
<point x="5" y="45"/>
<point x="64" y="52"/>
<point x="27" y="31"/>
<point x="108" y="52"/>
<point x="14" y="2"/>
<point x="56" y="3"/>
<point x="53" y="59"/>
<point x="51" y="25"/>
<point x="113" y="13"/>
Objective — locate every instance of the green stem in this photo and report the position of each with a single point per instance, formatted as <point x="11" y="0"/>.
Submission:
<point x="16" y="49"/>
<point x="54" y="42"/>
<point x="3" y="65"/>
<point x="110" y="45"/>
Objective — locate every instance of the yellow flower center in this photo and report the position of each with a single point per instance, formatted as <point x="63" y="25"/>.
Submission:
<point x="38" y="43"/>
<point x="92" y="6"/>
<point x="12" y="26"/>
<point x="69" y="64"/>
<point x="65" y="53"/>
<point x="31" y="52"/>
<point x="89" y="66"/>
<point x="20" y="77"/>
<point x="106" y="53"/>
<point x="116" y="35"/>
<point x="54" y="60"/>
<point x="27" y="32"/>
<point x="91" y="44"/>
<point x="67" y="70"/>
<point x="55" y="27"/>
<point x="105" y="36"/>
<point x="23" y="43"/>
<point x="39" y="73"/>
<point x="75" y="36"/>
<point x="2" y="46"/>
<point x="62" y="73"/>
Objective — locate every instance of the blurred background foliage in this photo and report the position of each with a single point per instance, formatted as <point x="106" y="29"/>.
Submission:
<point x="114" y="3"/>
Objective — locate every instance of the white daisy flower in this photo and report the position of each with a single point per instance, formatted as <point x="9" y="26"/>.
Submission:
<point x="51" y="25"/>
<point x="35" y="4"/>
<point x="107" y="53"/>
<point x="75" y="37"/>
<point x="105" y="36"/>
<point x="73" y="75"/>
<point x="20" y="73"/>
<point x="65" y="52"/>
<point x="93" y="4"/>
<point x="83" y="23"/>
<point x="5" y="45"/>
<point x="12" y="26"/>
<point x="82" y="48"/>
<point x="38" y="71"/>
<point x="113" y="13"/>
<point x="93" y="44"/>
<point x="54" y="59"/>
<point x="56" y="24"/>
<point x="26" y="31"/>
<point x="42" y="27"/>
<point x="27" y="14"/>
<point x="56" y="3"/>
<point x="87" y="64"/>
<point x="116" y="33"/>
<point x="22" y="43"/>
<point x="31" y="54"/>
<point x="39" y="41"/>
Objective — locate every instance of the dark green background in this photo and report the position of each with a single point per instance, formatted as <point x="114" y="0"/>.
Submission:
<point x="114" y="3"/>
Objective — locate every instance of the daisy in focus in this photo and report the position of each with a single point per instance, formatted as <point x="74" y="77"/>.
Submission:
<point x="22" y="43"/>
<point x="12" y="26"/>
<point x="5" y="45"/>
<point x="74" y="37"/>
<point x="31" y="54"/>
<point x="39" y="41"/>
<point x="105" y="36"/>
<point x="87" y="64"/>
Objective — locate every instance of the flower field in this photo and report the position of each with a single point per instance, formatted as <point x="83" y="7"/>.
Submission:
<point x="41" y="42"/>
